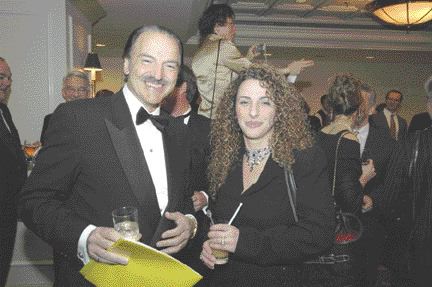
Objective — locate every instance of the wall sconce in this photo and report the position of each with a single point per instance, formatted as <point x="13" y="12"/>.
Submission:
<point x="402" y="12"/>
<point x="93" y="65"/>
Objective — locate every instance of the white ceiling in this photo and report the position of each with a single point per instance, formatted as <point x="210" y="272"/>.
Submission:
<point x="321" y="28"/>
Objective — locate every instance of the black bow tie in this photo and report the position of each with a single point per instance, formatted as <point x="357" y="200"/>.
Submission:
<point x="182" y="117"/>
<point x="159" y="122"/>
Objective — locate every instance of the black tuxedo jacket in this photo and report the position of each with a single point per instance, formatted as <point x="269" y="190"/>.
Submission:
<point x="380" y="121"/>
<point x="12" y="176"/>
<point x="199" y="127"/>
<point x="383" y="150"/>
<point x="44" y="128"/>
<point x="420" y="122"/>
<point x="92" y="163"/>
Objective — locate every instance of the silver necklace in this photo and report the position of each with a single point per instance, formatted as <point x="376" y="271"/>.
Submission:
<point x="255" y="156"/>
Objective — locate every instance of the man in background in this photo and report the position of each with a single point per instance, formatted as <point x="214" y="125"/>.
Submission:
<point x="389" y="120"/>
<point x="12" y="174"/>
<point x="180" y="105"/>
<point x="76" y="85"/>
<point x="423" y="121"/>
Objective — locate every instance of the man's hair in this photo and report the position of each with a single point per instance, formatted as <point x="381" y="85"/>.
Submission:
<point x="77" y="74"/>
<point x="151" y="28"/>
<point x="428" y="88"/>
<point x="344" y="94"/>
<point x="213" y="15"/>
<point x="371" y="94"/>
<point x="187" y="76"/>
<point x="395" y="91"/>
<point x="2" y="59"/>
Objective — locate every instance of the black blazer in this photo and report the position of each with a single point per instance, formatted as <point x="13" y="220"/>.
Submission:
<point x="420" y="122"/>
<point x="44" y="128"/>
<point x="383" y="150"/>
<point x="12" y="176"/>
<point x="199" y="127"/>
<point x="380" y="121"/>
<point x="92" y="163"/>
<point x="271" y="245"/>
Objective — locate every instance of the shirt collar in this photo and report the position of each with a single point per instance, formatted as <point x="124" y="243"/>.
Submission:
<point x="134" y="104"/>
<point x="364" y="130"/>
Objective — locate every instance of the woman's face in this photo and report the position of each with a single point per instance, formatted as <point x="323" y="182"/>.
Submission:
<point x="226" y="31"/>
<point x="255" y="113"/>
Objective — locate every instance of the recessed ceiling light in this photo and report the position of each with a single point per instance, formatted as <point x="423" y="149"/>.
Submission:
<point x="370" y="57"/>
<point x="100" y="45"/>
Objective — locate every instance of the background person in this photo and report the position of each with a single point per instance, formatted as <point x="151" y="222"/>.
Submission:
<point x="13" y="173"/>
<point x="260" y="127"/>
<point x="76" y="85"/>
<point x="217" y="60"/>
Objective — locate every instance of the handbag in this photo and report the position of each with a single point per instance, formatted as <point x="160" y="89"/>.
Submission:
<point x="334" y="267"/>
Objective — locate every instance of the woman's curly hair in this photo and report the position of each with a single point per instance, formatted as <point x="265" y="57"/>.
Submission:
<point x="291" y="129"/>
<point x="213" y="15"/>
<point x="344" y="94"/>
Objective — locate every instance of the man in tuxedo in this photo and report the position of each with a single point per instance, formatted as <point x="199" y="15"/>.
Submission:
<point x="182" y="105"/>
<point x="378" y="146"/>
<point x="423" y="121"/>
<point x="109" y="152"/>
<point x="12" y="174"/>
<point x="389" y="120"/>
<point x="76" y="85"/>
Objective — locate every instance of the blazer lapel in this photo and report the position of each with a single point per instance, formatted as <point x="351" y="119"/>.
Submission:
<point x="131" y="157"/>
<point x="174" y="157"/>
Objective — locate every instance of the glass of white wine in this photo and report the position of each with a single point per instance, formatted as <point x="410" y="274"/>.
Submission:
<point x="125" y="221"/>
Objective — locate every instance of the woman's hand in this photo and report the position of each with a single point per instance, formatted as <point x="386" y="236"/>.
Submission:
<point x="296" y="67"/>
<point x="207" y="256"/>
<point x="368" y="172"/>
<point x="252" y="52"/>
<point x="223" y="237"/>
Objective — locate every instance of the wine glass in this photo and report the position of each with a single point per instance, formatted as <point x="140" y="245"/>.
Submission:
<point x="30" y="151"/>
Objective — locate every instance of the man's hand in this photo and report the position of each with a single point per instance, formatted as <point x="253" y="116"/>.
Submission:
<point x="252" y="52"/>
<point x="176" y="239"/>
<point x="367" y="203"/>
<point x="99" y="241"/>
<point x="199" y="200"/>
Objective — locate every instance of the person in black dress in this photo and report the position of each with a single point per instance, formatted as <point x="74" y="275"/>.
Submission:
<point x="351" y="176"/>
<point x="260" y="127"/>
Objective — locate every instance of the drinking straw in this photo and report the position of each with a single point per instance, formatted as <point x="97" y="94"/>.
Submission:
<point x="235" y="213"/>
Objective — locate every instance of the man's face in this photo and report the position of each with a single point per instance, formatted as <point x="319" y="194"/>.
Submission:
<point x="152" y="68"/>
<point x="75" y="88"/>
<point x="392" y="101"/>
<point x="5" y="81"/>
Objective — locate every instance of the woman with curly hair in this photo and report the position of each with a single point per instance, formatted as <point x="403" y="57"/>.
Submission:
<point x="259" y="129"/>
<point x="218" y="59"/>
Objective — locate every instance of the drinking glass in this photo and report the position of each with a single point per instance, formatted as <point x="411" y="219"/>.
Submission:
<point x="221" y="255"/>
<point x="30" y="151"/>
<point x="125" y="221"/>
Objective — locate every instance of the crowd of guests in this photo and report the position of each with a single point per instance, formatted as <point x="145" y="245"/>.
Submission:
<point x="248" y="144"/>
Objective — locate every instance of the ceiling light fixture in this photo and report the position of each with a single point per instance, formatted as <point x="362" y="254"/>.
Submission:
<point x="402" y="12"/>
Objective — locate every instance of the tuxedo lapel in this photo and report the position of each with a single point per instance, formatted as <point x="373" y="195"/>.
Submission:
<point x="10" y="139"/>
<point x="129" y="152"/>
<point x="173" y="157"/>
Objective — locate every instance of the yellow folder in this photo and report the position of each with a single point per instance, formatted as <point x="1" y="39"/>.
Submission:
<point x="147" y="267"/>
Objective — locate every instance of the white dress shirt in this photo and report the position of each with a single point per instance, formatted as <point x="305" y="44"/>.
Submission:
<point x="362" y="135"/>
<point x="152" y="145"/>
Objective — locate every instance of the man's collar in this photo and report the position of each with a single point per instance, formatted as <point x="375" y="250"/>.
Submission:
<point x="135" y="104"/>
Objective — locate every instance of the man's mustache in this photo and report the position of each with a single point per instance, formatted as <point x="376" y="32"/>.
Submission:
<point x="153" y="80"/>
